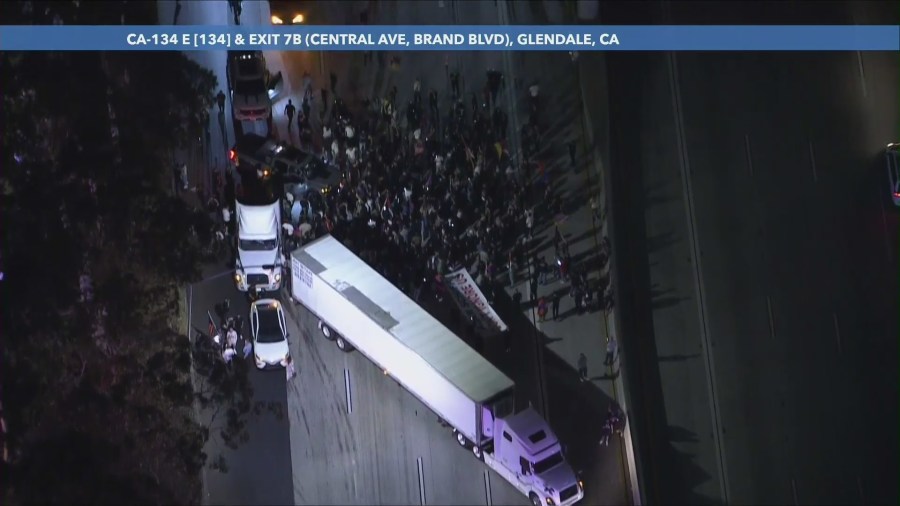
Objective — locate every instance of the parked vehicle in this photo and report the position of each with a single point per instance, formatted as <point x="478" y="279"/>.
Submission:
<point x="359" y="309"/>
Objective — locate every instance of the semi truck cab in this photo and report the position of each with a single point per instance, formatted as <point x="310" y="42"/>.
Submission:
<point x="526" y="452"/>
<point x="258" y="262"/>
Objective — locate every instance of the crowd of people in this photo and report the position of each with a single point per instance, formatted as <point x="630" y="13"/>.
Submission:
<point x="427" y="189"/>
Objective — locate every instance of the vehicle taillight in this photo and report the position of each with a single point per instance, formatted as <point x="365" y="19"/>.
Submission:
<point x="232" y="156"/>
<point x="896" y="195"/>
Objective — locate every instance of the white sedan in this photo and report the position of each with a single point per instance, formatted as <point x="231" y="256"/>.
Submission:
<point x="270" y="336"/>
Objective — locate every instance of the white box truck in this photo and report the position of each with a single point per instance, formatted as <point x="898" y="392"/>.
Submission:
<point x="359" y="309"/>
<point x="259" y="258"/>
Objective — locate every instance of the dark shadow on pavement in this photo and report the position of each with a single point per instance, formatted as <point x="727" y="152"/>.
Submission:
<point x="678" y="358"/>
<point x="664" y="302"/>
<point x="668" y="475"/>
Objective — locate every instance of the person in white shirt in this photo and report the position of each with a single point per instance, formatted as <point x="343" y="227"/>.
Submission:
<point x="611" y="346"/>
<point x="231" y="338"/>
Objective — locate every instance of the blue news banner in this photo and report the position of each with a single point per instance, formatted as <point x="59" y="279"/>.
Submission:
<point x="450" y="38"/>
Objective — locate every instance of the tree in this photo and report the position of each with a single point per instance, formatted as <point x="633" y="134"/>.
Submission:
<point x="96" y="385"/>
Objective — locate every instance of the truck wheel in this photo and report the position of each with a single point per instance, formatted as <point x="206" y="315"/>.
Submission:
<point x="460" y="439"/>
<point x="476" y="450"/>
<point x="535" y="500"/>
<point x="326" y="331"/>
<point x="343" y="345"/>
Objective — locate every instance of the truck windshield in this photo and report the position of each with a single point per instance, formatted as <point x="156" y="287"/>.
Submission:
<point x="548" y="463"/>
<point x="254" y="245"/>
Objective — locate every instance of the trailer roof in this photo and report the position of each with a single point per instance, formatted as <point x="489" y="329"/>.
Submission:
<point x="404" y="319"/>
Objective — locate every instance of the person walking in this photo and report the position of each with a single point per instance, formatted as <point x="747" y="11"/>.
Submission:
<point x="454" y="83"/>
<point x="611" y="347"/>
<point x="606" y="433"/>
<point x="582" y="367"/>
<point x="289" y="111"/>
<point x="542" y="309"/>
<point x="555" y="306"/>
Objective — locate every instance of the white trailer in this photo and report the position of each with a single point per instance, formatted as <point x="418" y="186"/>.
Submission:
<point x="359" y="309"/>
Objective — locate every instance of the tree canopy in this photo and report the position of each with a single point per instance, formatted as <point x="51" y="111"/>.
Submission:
<point x="95" y="379"/>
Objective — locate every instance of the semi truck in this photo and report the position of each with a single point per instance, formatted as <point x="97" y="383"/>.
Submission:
<point x="260" y="258"/>
<point x="360" y="310"/>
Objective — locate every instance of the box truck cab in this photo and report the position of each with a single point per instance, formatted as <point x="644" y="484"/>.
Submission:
<point x="259" y="262"/>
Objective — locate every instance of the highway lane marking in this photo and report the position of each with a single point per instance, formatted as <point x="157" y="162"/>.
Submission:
<point x="749" y="153"/>
<point x="685" y="167"/>
<point x="771" y="316"/>
<point x="884" y="225"/>
<point x="347" y="390"/>
<point x="421" y="471"/>
<point x="812" y="161"/>
<point x="862" y="74"/>
<point x="794" y="491"/>
<point x="488" y="499"/>
<point x="837" y="332"/>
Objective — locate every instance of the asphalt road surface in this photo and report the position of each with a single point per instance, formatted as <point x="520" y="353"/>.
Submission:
<point x="759" y="260"/>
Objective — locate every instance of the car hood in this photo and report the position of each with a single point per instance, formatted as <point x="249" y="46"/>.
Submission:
<point x="272" y="352"/>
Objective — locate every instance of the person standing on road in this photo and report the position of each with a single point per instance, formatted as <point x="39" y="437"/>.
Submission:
<point x="454" y="84"/>
<point x="555" y="306"/>
<point x="248" y="348"/>
<point x="236" y="10"/>
<point x="289" y="369"/>
<point x="606" y="433"/>
<point x="220" y="99"/>
<point x="582" y="367"/>
<point x="542" y="309"/>
<point x="433" y="105"/>
<point x="289" y="111"/>
<point x="611" y="347"/>
<point x="305" y="109"/>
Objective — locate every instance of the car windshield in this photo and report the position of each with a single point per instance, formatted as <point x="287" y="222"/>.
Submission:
<point x="257" y="245"/>
<point x="269" y="328"/>
<point x="548" y="463"/>
<point x="250" y="87"/>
